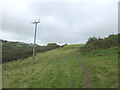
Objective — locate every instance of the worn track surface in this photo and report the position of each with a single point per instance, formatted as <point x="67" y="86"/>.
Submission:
<point x="86" y="82"/>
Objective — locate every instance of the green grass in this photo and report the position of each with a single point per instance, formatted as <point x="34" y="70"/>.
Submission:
<point x="103" y="67"/>
<point x="75" y="45"/>
<point x="58" y="68"/>
<point x="55" y="68"/>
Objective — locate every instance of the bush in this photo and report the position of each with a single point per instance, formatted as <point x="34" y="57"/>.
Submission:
<point x="99" y="43"/>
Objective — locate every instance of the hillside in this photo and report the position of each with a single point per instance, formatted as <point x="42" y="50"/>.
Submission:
<point x="18" y="50"/>
<point x="64" y="67"/>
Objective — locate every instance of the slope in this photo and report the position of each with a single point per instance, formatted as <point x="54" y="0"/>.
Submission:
<point x="55" y="68"/>
<point x="64" y="67"/>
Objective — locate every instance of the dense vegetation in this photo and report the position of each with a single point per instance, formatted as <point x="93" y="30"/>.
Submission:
<point x="99" y="43"/>
<point x="19" y="50"/>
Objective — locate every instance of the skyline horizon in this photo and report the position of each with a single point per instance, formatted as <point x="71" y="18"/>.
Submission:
<point x="57" y="43"/>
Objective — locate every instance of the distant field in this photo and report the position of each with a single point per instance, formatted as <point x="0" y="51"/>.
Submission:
<point x="64" y="68"/>
<point x="75" y="45"/>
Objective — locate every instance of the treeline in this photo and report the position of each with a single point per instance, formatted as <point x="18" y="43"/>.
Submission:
<point x="100" y="43"/>
<point x="18" y="50"/>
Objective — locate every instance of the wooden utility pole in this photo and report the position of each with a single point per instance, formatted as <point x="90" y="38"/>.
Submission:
<point x="35" y="22"/>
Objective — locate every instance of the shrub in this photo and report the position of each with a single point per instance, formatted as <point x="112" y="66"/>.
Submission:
<point x="99" y="43"/>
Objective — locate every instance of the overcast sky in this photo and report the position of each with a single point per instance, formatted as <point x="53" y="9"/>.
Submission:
<point x="60" y="22"/>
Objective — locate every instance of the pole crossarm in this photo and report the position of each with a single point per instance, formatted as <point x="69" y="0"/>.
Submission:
<point x="35" y="22"/>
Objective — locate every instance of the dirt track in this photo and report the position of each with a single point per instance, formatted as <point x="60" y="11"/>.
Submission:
<point x="86" y="82"/>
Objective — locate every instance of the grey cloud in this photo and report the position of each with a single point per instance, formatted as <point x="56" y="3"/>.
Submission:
<point x="62" y="22"/>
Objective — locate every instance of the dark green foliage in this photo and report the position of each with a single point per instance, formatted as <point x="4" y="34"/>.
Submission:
<point x="99" y="43"/>
<point x="18" y="50"/>
<point x="64" y="45"/>
<point x="51" y="46"/>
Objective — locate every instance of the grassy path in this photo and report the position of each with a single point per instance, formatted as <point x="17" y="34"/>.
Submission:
<point x="53" y="69"/>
